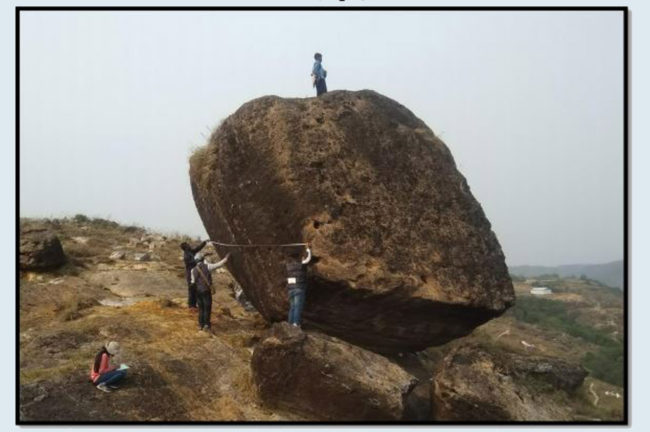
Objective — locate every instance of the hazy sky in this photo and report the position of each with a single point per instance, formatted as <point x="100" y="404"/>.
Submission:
<point x="529" y="103"/>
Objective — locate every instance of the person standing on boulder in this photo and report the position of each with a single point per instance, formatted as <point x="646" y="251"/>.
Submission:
<point x="201" y="275"/>
<point x="318" y="75"/>
<point x="297" y="285"/>
<point x="188" y="259"/>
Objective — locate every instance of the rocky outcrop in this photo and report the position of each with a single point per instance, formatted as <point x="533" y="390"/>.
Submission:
<point x="328" y="379"/>
<point x="405" y="258"/>
<point x="40" y="250"/>
<point x="472" y="384"/>
<point x="128" y="282"/>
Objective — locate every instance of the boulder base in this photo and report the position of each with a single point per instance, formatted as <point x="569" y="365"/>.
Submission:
<point x="405" y="258"/>
<point x="473" y="384"/>
<point x="329" y="379"/>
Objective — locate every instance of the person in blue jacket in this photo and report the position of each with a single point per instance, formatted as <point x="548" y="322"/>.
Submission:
<point x="318" y="75"/>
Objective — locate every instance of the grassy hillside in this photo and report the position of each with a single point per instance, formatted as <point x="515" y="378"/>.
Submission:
<point x="581" y="322"/>
<point x="181" y="374"/>
<point x="610" y="274"/>
<point x="177" y="372"/>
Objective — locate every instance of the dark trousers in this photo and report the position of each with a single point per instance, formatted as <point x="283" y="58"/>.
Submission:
<point x="296" y="303"/>
<point x="321" y="87"/>
<point x="191" y="289"/>
<point x="205" y="307"/>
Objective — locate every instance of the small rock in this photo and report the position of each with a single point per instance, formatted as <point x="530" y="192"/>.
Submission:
<point x="134" y="242"/>
<point x="117" y="255"/>
<point x="81" y="240"/>
<point x="144" y="256"/>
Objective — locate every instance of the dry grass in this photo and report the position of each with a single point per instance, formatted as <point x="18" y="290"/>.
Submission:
<point x="199" y="166"/>
<point x="78" y="250"/>
<point x="166" y="303"/>
<point x="203" y="160"/>
<point x="71" y="305"/>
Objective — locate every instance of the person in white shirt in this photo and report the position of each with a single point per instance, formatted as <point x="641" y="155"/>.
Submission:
<point x="297" y="285"/>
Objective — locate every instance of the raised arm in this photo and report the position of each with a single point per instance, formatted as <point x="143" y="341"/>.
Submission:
<point x="214" y="266"/>
<point x="307" y="258"/>
<point x="199" y="247"/>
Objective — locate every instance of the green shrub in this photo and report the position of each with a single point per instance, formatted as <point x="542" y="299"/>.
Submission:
<point x="606" y="364"/>
<point x="100" y="222"/>
<point x="555" y="315"/>
<point x="80" y="218"/>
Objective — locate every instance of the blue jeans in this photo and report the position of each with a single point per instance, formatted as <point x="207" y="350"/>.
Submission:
<point x="296" y="303"/>
<point x="110" y="378"/>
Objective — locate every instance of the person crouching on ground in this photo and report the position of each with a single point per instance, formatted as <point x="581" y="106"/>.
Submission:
<point x="297" y="285"/>
<point x="202" y="277"/>
<point x="102" y="374"/>
<point x="188" y="259"/>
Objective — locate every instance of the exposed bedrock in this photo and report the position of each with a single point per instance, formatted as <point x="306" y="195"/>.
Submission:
<point x="329" y="379"/>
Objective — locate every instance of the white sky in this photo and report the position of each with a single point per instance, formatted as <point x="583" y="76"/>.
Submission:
<point x="529" y="103"/>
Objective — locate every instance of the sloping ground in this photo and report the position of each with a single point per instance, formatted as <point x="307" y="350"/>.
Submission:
<point x="595" y="399"/>
<point x="177" y="372"/>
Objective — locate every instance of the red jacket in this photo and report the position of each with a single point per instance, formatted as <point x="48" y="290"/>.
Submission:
<point x="103" y="368"/>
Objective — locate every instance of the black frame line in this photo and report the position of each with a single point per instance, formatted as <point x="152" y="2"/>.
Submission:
<point x="342" y="7"/>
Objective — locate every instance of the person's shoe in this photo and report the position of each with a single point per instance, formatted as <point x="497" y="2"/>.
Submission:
<point x="206" y="328"/>
<point x="201" y="328"/>
<point x="103" y="388"/>
<point x="193" y="309"/>
<point x="295" y="325"/>
<point x="113" y="387"/>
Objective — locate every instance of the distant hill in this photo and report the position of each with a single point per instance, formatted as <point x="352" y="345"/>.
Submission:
<point x="610" y="274"/>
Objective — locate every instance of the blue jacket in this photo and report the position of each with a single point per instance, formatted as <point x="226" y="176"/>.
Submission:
<point x="318" y="70"/>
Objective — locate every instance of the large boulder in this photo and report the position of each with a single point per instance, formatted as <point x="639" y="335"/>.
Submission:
<point x="40" y="249"/>
<point x="474" y="384"/>
<point x="328" y="379"/>
<point x="405" y="257"/>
